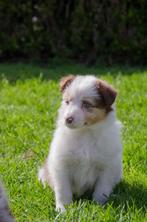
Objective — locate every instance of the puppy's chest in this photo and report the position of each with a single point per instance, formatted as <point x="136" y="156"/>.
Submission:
<point x="83" y="153"/>
<point x="84" y="167"/>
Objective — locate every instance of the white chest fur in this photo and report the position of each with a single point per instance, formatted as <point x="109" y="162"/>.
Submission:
<point x="84" y="154"/>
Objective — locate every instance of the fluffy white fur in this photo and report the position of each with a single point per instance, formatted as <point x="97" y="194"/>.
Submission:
<point x="83" y="157"/>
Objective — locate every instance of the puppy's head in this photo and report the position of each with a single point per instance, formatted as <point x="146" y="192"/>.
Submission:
<point x="86" y="100"/>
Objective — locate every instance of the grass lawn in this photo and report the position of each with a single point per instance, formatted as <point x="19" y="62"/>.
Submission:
<point x="29" y="99"/>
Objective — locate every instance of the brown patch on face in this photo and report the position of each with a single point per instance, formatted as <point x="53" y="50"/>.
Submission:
<point x="95" y="116"/>
<point x="107" y="94"/>
<point x="94" y="102"/>
<point x="100" y="105"/>
<point x="65" y="82"/>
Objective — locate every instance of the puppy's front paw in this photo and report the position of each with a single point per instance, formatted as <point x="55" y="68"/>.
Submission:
<point x="101" y="199"/>
<point x="60" y="208"/>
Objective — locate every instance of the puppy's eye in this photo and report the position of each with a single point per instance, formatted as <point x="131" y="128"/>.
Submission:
<point x="86" y="105"/>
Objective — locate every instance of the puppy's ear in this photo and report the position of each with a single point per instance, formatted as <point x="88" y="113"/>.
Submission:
<point x="107" y="92"/>
<point x="65" y="82"/>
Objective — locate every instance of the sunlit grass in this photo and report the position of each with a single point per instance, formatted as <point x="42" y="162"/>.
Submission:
<point x="29" y="99"/>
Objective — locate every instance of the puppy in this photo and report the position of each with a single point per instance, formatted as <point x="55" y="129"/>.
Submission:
<point x="86" y="151"/>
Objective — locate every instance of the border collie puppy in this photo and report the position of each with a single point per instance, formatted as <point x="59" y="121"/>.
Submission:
<point x="86" y="150"/>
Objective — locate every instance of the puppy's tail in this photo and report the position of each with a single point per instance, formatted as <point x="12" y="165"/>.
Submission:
<point x="43" y="175"/>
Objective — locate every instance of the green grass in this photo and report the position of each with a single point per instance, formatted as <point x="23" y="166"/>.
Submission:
<point x="29" y="99"/>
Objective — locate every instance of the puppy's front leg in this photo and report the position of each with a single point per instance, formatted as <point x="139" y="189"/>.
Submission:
<point x="104" y="185"/>
<point x="62" y="189"/>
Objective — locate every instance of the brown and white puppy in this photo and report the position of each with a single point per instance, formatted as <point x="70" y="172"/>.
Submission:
<point x="86" y="151"/>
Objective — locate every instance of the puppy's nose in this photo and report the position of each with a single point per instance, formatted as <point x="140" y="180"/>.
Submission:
<point x="69" y="120"/>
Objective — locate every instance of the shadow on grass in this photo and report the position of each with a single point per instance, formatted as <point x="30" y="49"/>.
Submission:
<point x="55" y="70"/>
<point x="129" y="195"/>
<point x="124" y="196"/>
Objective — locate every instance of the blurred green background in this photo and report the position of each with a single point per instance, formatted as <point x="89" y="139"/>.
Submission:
<point x="87" y="31"/>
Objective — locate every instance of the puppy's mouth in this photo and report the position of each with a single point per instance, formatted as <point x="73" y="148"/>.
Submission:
<point x="76" y="126"/>
<point x="73" y="125"/>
